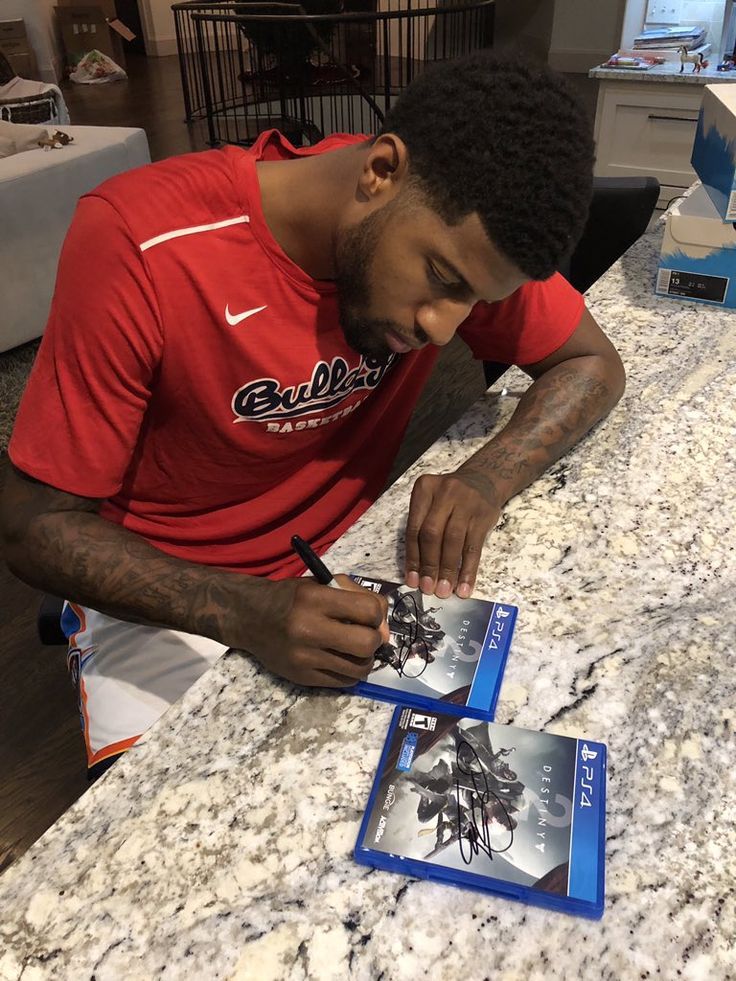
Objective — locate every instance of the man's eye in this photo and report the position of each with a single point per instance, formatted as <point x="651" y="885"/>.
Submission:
<point x="436" y="278"/>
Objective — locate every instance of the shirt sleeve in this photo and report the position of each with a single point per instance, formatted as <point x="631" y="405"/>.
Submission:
<point x="81" y="412"/>
<point x="526" y="327"/>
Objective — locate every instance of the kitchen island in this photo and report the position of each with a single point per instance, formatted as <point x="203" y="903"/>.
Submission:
<point x="221" y="845"/>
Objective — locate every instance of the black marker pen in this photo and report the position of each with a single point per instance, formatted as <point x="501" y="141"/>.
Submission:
<point x="313" y="562"/>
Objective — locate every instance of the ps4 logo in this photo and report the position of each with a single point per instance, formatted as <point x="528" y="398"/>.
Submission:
<point x="498" y="626"/>
<point x="586" y="781"/>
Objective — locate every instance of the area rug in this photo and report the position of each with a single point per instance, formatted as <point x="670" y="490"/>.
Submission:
<point x="15" y="367"/>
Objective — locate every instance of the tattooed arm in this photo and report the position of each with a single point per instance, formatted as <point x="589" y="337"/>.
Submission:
<point x="307" y="633"/>
<point x="451" y="514"/>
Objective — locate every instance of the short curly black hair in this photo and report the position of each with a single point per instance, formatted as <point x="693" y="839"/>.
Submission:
<point x="506" y="138"/>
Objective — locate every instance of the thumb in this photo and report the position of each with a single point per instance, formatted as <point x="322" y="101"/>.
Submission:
<point x="345" y="582"/>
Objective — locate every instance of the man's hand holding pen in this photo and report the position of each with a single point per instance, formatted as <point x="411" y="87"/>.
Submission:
<point x="322" y="631"/>
<point x="314" y="635"/>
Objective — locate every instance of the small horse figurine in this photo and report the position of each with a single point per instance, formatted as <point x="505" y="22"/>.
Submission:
<point x="697" y="60"/>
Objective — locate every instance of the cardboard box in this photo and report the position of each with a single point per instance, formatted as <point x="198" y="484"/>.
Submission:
<point x="22" y="64"/>
<point x="12" y="30"/>
<point x="698" y="259"/>
<point x="714" y="151"/>
<point x="16" y="48"/>
<point x="106" y="6"/>
<point x="92" y="27"/>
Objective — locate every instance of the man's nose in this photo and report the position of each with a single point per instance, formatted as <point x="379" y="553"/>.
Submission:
<point x="440" y="319"/>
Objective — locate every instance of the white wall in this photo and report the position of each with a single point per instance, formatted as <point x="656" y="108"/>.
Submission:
<point x="526" y="24"/>
<point x="157" y="19"/>
<point x="636" y="11"/>
<point x="585" y="33"/>
<point x="40" y="22"/>
<point x="710" y="13"/>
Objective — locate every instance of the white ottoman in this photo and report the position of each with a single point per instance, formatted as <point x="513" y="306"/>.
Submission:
<point x="39" y="191"/>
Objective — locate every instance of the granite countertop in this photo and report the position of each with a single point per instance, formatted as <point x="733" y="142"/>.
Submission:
<point x="668" y="72"/>
<point x="220" y="847"/>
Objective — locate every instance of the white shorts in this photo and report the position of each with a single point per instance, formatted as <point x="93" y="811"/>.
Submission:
<point x="127" y="675"/>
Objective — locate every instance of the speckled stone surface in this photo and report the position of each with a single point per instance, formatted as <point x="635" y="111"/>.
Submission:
<point x="221" y="846"/>
<point x="668" y="72"/>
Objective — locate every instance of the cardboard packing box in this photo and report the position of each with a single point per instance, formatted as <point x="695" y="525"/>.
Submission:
<point x="92" y="26"/>
<point x="714" y="151"/>
<point x="698" y="259"/>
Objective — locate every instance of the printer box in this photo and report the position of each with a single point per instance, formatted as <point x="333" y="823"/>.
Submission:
<point x="698" y="259"/>
<point x="714" y="150"/>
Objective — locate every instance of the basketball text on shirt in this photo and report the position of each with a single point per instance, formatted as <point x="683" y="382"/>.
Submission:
<point x="266" y="400"/>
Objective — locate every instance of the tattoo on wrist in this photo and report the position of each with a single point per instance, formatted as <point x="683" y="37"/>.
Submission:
<point x="553" y="414"/>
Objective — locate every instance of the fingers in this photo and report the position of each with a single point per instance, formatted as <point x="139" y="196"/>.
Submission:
<point x="419" y="507"/>
<point x="453" y="542"/>
<point x="462" y="546"/>
<point x="474" y="542"/>
<point x="349" y="621"/>
<point x="430" y="510"/>
<point x="347" y="583"/>
<point x="351" y="604"/>
<point x="323" y="679"/>
<point x="320" y="667"/>
<point x="446" y="530"/>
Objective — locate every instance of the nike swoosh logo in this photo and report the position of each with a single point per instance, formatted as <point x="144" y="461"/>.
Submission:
<point x="237" y="318"/>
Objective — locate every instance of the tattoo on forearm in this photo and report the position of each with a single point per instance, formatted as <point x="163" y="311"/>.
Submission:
<point x="64" y="547"/>
<point x="552" y="415"/>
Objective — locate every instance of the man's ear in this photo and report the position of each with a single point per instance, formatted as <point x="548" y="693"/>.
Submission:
<point x="385" y="168"/>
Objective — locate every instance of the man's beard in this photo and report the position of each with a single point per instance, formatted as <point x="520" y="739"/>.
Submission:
<point x="354" y="255"/>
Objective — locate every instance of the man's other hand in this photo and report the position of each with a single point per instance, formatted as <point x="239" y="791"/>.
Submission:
<point x="450" y="516"/>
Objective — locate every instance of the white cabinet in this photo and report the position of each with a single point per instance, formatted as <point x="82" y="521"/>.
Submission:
<point x="647" y="129"/>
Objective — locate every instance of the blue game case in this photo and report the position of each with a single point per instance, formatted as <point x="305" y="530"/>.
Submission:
<point x="499" y="809"/>
<point x="447" y="655"/>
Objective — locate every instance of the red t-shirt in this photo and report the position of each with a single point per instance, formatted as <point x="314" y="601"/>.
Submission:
<point x="217" y="436"/>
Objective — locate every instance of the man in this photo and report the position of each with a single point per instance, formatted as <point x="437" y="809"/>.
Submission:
<point x="236" y="343"/>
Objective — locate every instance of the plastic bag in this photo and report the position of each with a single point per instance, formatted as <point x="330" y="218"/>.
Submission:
<point x="96" y="67"/>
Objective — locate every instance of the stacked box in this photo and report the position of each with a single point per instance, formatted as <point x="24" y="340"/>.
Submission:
<point x="714" y="151"/>
<point x="698" y="259"/>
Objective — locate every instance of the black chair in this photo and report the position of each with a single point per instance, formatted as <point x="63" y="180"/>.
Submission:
<point x="7" y="74"/>
<point x="620" y="211"/>
<point x="48" y="621"/>
<point x="619" y="214"/>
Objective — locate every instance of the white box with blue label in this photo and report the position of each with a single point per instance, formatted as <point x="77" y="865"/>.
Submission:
<point x="714" y="150"/>
<point x="698" y="259"/>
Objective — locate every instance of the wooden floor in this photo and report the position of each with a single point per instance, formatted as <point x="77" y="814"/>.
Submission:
<point x="42" y="768"/>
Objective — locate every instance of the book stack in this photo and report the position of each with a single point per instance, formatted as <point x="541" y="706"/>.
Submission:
<point x="670" y="38"/>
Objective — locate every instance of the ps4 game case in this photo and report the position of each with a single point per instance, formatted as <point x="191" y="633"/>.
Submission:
<point x="443" y="654"/>
<point x="496" y="808"/>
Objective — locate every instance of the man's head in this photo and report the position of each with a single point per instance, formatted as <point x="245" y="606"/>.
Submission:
<point x="479" y="182"/>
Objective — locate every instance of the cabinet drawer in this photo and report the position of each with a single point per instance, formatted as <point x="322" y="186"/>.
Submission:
<point x="654" y="139"/>
<point x="10" y="29"/>
<point x="14" y="47"/>
<point x="647" y="130"/>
